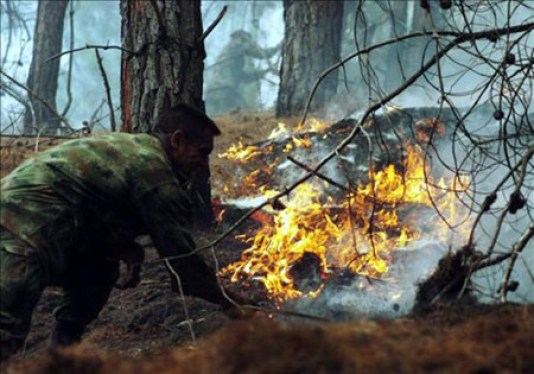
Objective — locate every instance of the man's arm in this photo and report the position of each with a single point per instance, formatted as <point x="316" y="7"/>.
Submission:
<point x="166" y="212"/>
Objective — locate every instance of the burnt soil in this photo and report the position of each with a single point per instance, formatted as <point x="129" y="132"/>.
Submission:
<point x="144" y="330"/>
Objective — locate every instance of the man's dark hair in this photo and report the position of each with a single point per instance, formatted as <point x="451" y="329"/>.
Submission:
<point x="186" y="118"/>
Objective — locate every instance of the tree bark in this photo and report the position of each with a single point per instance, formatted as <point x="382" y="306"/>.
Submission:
<point x="42" y="79"/>
<point x="166" y="69"/>
<point x="169" y="66"/>
<point x="312" y="44"/>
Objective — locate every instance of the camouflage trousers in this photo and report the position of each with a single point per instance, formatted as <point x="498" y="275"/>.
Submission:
<point x="23" y="278"/>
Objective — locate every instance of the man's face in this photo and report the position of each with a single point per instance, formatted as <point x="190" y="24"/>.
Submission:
<point x="190" y="153"/>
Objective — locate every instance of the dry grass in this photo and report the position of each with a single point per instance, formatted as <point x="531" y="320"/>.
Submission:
<point x="14" y="150"/>
<point x="248" y="127"/>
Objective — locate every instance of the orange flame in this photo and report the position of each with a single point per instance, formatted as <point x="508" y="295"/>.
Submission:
<point x="240" y="153"/>
<point x="358" y="233"/>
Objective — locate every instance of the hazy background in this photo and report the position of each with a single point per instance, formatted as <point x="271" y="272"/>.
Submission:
<point x="98" y="22"/>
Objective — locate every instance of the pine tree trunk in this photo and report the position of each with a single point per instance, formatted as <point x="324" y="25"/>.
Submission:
<point x="312" y="44"/>
<point x="167" y="69"/>
<point x="169" y="66"/>
<point x="42" y="79"/>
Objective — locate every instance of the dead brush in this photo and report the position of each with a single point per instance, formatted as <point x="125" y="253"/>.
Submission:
<point x="445" y="285"/>
<point x="13" y="151"/>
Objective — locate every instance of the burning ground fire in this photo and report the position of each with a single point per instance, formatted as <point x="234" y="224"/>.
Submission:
<point x="328" y="236"/>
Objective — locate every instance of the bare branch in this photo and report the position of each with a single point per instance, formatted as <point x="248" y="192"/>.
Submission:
<point x="90" y="46"/>
<point x="34" y="95"/>
<point x="317" y="174"/>
<point x="516" y="250"/>
<point x="214" y="23"/>
<point x="113" y="124"/>
<point x="459" y="38"/>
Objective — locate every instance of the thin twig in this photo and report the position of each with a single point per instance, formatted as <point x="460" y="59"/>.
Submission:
<point x="514" y="253"/>
<point x="90" y="46"/>
<point x="459" y="38"/>
<point x="188" y="320"/>
<point x="214" y="23"/>
<point x="285" y="313"/>
<point x="108" y="91"/>
<point x="15" y="95"/>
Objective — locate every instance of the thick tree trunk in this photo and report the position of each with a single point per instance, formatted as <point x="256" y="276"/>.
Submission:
<point x="169" y="67"/>
<point x="42" y="79"/>
<point x="166" y="69"/>
<point x="312" y="44"/>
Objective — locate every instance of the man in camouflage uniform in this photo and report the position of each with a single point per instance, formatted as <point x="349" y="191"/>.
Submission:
<point x="234" y="78"/>
<point x="68" y="215"/>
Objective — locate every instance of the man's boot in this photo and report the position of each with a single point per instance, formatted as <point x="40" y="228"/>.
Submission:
<point x="66" y="333"/>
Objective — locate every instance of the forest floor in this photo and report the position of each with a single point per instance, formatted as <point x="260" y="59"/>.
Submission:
<point x="145" y="330"/>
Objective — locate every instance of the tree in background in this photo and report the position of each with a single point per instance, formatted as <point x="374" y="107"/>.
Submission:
<point x="43" y="76"/>
<point x="312" y="44"/>
<point x="165" y="68"/>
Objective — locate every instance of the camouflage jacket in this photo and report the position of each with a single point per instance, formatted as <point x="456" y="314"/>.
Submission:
<point x="100" y="190"/>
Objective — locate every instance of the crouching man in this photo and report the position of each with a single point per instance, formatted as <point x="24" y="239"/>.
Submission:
<point x="70" y="214"/>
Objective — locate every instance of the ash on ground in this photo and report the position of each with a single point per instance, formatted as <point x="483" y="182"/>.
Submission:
<point x="348" y="296"/>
